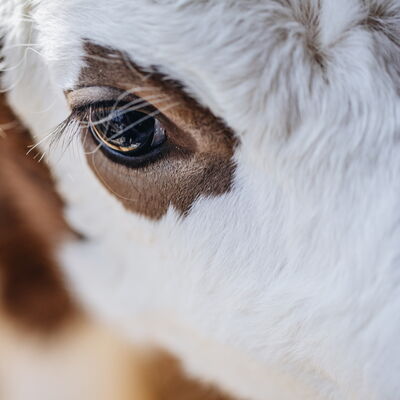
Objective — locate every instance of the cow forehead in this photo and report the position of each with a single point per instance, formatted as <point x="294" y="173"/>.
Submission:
<point x="228" y="70"/>
<point x="184" y="37"/>
<point x="269" y="63"/>
<point x="274" y="67"/>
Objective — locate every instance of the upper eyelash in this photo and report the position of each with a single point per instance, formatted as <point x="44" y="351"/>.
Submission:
<point x="67" y="130"/>
<point x="71" y="126"/>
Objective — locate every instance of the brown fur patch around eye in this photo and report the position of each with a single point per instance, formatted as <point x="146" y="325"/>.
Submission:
<point x="32" y="292"/>
<point x="164" y="377"/>
<point x="197" y="159"/>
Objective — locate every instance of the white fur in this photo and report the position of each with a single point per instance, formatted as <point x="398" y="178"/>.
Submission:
<point x="287" y="286"/>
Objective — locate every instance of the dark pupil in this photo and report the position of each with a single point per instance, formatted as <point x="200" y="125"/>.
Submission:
<point x="132" y="129"/>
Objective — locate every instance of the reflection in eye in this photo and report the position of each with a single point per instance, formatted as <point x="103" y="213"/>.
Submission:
<point x="129" y="133"/>
<point x="126" y="128"/>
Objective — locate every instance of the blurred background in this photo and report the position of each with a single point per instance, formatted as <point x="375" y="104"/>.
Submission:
<point x="49" y="348"/>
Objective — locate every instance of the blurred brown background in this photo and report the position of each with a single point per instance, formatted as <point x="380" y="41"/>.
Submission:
<point x="50" y="350"/>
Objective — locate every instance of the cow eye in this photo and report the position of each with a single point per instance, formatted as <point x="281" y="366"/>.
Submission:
<point x="125" y="132"/>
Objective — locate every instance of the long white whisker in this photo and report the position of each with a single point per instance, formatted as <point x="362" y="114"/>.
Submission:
<point x="134" y="71"/>
<point x="15" y="66"/>
<point x="9" y="125"/>
<point x="138" y="103"/>
<point x="153" y="114"/>
<point x="14" y="85"/>
<point x="34" y="146"/>
<point x="15" y="46"/>
<point x="110" y="60"/>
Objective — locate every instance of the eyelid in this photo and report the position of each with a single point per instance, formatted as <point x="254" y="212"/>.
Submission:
<point x="96" y="94"/>
<point x="90" y="98"/>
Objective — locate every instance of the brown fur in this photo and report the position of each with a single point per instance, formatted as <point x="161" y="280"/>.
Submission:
<point x="31" y="290"/>
<point x="197" y="160"/>
<point x="162" y="374"/>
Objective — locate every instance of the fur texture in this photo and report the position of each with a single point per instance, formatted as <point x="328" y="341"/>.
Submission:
<point x="287" y="286"/>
